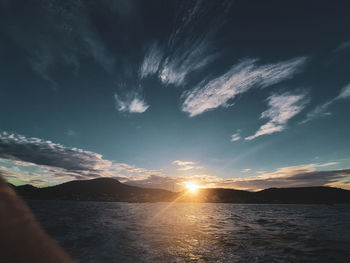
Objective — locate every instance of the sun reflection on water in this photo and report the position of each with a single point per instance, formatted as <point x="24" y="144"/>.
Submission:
<point x="182" y="233"/>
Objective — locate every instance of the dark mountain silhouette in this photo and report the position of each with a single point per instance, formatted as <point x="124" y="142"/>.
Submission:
<point x="320" y="194"/>
<point x="297" y="195"/>
<point x="108" y="189"/>
<point x="102" y="189"/>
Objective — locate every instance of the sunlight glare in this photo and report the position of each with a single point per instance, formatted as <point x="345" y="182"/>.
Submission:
<point x="192" y="187"/>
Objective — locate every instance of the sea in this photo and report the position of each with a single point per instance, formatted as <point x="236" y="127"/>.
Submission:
<point x="197" y="232"/>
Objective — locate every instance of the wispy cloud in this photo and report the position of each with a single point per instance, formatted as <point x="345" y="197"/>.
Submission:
<point x="42" y="62"/>
<point x="344" y="93"/>
<point x="184" y="61"/>
<point x="236" y="136"/>
<point x="188" y="48"/>
<point x="130" y="102"/>
<point x="98" y="51"/>
<point x="342" y="46"/>
<point x="243" y="76"/>
<point x="246" y="170"/>
<point x="186" y="165"/>
<point x="321" y="110"/>
<point x="70" y="37"/>
<point x="282" y="107"/>
<point x="173" y="67"/>
<point x="71" y="133"/>
<point x="151" y="62"/>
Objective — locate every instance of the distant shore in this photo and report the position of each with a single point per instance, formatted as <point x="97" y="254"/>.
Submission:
<point x="108" y="189"/>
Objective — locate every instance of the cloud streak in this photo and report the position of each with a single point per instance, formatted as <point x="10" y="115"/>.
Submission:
<point x="184" y="61"/>
<point x="342" y="46"/>
<point x="282" y="107"/>
<point x="235" y="137"/>
<point x="188" y="48"/>
<point x="321" y="110"/>
<point x="151" y="62"/>
<point x="69" y="38"/>
<point x="174" y="67"/>
<point x="186" y="165"/>
<point x="132" y="103"/>
<point x="217" y="92"/>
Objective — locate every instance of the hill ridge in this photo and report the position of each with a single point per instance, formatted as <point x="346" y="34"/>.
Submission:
<point x="109" y="189"/>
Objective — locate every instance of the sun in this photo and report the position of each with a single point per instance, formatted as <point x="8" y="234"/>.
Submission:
<point x="192" y="187"/>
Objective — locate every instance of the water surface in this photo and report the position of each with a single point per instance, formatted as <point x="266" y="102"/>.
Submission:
<point x="163" y="232"/>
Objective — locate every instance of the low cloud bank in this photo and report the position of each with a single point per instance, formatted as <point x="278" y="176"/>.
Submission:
<point x="42" y="162"/>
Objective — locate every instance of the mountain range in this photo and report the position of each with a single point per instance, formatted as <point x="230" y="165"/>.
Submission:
<point x="108" y="189"/>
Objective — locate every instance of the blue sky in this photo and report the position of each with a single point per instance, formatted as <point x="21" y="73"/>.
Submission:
<point x="241" y="94"/>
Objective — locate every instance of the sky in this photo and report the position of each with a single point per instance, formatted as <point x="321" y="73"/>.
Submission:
<point x="238" y="94"/>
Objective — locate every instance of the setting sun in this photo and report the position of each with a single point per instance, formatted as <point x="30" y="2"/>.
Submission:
<point x="192" y="187"/>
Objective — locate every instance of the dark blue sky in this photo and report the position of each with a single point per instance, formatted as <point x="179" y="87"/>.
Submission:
<point x="245" y="94"/>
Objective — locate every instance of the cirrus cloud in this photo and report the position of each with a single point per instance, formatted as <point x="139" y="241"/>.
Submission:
<point x="188" y="48"/>
<point x="132" y="103"/>
<point x="282" y="107"/>
<point x="321" y="110"/>
<point x="235" y="137"/>
<point x="211" y="94"/>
